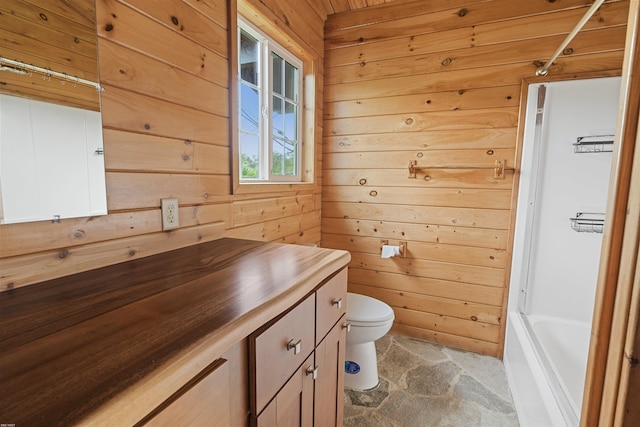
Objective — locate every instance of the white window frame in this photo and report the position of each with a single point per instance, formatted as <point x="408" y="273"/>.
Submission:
<point x="265" y="70"/>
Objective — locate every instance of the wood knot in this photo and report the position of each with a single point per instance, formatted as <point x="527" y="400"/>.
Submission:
<point x="463" y="12"/>
<point x="44" y="17"/>
<point x="361" y="39"/>
<point x="187" y="142"/>
<point x="474" y="318"/>
<point x="427" y="178"/>
<point x="362" y="64"/>
<point x="490" y="152"/>
<point x="447" y="61"/>
<point x="76" y="40"/>
<point x="175" y="20"/>
<point x="147" y="126"/>
<point x="409" y="121"/>
<point x="132" y="252"/>
<point x="362" y="181"/>
<point x="373" y="193"/>
<point x="428" y="101"/>
<point x="538" y="63"/>
<point x="205" y="195"/>
<point x="108" y="27"/>
<point x="63" y="254"/>
<point x="419" y="155"/>
<point x="567" y="51"/>
<point x="185" y="157"/>
<point x="509" y="97"/>
<point x="10" y="286"/>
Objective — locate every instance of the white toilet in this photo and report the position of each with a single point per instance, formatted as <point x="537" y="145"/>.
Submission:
<point x="370" y="319"/>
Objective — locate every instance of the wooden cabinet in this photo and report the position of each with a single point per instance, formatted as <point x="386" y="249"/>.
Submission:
<point x="203" y="401"/>
<point x="331" y="304"/>
<point x="276" y="351"/>
<point x="291" y="383"/>
<point x="165" y="338"/>
<point x="293" y="405"/>
<point x="329" y="384"/>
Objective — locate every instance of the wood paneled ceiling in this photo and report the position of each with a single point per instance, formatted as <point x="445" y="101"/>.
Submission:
<point x="337" y="6"/>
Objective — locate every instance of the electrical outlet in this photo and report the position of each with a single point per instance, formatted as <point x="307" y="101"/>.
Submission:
<point x="170" y="217"/>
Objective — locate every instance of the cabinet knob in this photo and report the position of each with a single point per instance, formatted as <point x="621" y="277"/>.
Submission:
<point x="337" y="302"/>
<point x="347" y="326"/>
<point x="296" y="346"/>
<point x="311" y="370"/>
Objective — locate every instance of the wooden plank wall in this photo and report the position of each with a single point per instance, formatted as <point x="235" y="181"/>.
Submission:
<point x="164" y="65"/>
<point x="439" y="83"/>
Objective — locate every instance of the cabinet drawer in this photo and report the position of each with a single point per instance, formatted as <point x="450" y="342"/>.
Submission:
<point x="277" y="351"/>
<point x="331" y="304"/>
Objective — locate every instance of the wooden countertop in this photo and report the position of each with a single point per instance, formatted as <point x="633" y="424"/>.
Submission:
<point x="106" y="346"/>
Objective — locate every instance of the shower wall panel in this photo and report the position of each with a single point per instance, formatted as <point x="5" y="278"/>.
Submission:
<point x="563" y="267"/>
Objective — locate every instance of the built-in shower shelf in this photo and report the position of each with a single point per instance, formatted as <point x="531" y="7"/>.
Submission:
<point x="585" y="222"/>
<point x="594" y="144"/>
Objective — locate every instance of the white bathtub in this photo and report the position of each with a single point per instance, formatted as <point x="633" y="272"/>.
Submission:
<point x="546" y="375"/>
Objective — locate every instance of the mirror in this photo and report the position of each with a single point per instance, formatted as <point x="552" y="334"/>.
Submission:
<point x="51" y="149"/>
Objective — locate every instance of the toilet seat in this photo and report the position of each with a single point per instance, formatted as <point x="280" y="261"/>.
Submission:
<point x="364" y="311"/>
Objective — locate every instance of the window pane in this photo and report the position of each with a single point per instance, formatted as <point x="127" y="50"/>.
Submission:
<point x="290" y="122"/>
<point x="277" y="167"/>
<point x="249" y="48"/>
<point x="269" y="143"/>
<point x="277" y="73"/>
<point x="249" y="109"/>
<point x="278" y="117"/>
<point x="290" y="158"/>
<point x="249" y="156"/>
<point x="291" y="82"/>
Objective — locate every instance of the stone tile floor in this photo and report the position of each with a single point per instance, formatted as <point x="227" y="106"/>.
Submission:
<point x="424" y="385"/>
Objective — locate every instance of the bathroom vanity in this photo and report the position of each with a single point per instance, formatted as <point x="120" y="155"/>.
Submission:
<point x="238" y="331"/>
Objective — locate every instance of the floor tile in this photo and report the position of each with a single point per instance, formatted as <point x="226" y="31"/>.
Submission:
<point x="424" y="385"/>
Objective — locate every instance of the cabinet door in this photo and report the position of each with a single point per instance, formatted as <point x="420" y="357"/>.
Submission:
<point x="202" y="402"/>
<point x="293" y="405"/>
<point x="329" y="385"/>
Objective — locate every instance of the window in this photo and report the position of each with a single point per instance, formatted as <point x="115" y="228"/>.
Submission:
<point x="269" y="108"/>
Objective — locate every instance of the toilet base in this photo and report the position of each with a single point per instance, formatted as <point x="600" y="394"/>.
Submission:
<point x="361" y="366"/>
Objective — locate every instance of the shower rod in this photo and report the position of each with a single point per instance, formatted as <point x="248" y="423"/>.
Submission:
<point x="19" y="67"/>
<point x="544" y="70"/>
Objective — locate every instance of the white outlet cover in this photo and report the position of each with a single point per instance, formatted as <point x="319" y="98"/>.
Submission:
<point x="170" y="214"/>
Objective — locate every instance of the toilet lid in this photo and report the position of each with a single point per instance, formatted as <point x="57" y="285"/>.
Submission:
<point x="364" y="309"/>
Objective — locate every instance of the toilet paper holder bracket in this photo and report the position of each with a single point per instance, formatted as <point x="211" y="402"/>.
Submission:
<point x="401" y="243"/>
